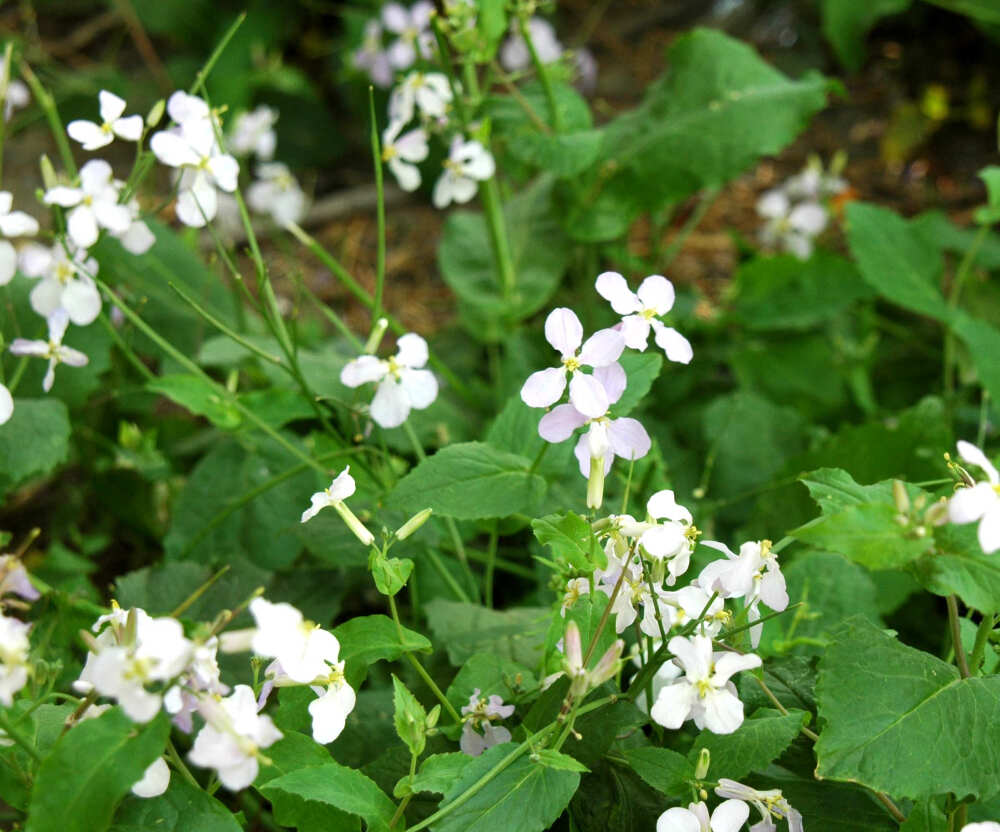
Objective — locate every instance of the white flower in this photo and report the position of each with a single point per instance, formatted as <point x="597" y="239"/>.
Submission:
<point x="788" y="227"/>
<point x="185" y="110"/>
<point x="468" y="163"/>
<point x="66" y="281"/>
<point x="329" y="712"/>
<point x="154" y="781"/>
<point x="641" y="312"/>
<point x="581" y="679"/>
<point x="141" y="652"/>
<point x="94" y="203"/>
<point x="14" y="648"/>
<point x="481" y="713"/>
<point x="402" y="384"/>
<point x="980" y="502"/>
<point x="671" y="539"/>
<point x="428" y="92"/>
<point x="17" y="98"/>
<point x="401" y="153"/>
<point x="137" y="238"/>
<point x="232" y="738"/>
<point x="984" y="826"/>
<point x="564" y="332"/>
<point x="201" y="675"/>
<point x="14" y="577"/>
<point x="253" y="132"/>
<point x="814" y="183"/>
<point x="665" y="675"/>
<point x="95" y="136"/>
<point x="514" y="54"/>
<point x="575" y="587"/>
<point x="204" y="167"/>
<point x="12" y="224"/>
<point x="304" y="649"/>
<point x="6" y="404"/>
<point x="411" y="26"/>
<point x="687" y="603"/>
<point x="770" y="803"/>
<point x="705" y="694"/>
<point x="52" y="349"/>
<point x="276" y="192"/>
<point x="753" y="574"/>
<point x="333" y="497"/>
<point x="727" y="817"/>
<point x="371" y="57"/>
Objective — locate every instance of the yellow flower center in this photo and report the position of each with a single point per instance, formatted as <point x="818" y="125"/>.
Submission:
<point x="572" y="364"/>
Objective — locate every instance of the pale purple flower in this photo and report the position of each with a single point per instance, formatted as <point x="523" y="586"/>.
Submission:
<point x="705" y="693"/>
<point x="372" y="58"/>
<point x="641" y="313"/>
<point x="411" y="27"/>
<point x="52" y="349"/>
<point x="587" y="394"/>
<point x="468" y="164"/>
<point x="14" y="578"/>
<point x="979" y="502"/>
<point x="514" y="54"/>
<point x="480" y="714"/>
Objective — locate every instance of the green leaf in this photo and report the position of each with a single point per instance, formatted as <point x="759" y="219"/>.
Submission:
<point x="490" y="674"/>
<point x="465" y="629"/>
<point x="959" y="566"/>
<point x="831" y="807"/>
<point x="181" y="808"/>
<point x="846" y="23"/>
<point x="925" y="816"/>
<point x="470" y="480"/>
<point x="990" y="213"/>
<point x="197" y="395"/>
<point x="884" y="705"/>
<point x="664" y="770"/>
<point x="338" y="786"/>
<point x="439" y="772"/>
<point x="90" y="769"/>
<point x="752" y="747"/>
<point x="390" y="574"/>
<point x="526" y="796"/>
<point x="410" y="718"/>
<point x="34" y="441"/>
<point x="367" y="639"/>
<point x="641" y="370"/>
<point x="782" y="292"/>
<point x="718" y="110"/>
<point x="867" y="534"/>
<point x="984" y="11"/>
<point x="468" y="266"/>
<point x="834" y="490"/>
<point x="553" y="759"/>
<point x="571" y="540"/>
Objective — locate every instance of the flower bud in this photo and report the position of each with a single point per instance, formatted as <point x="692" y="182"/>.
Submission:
<point x="901" y="497"/>
<point x="595" y="483"/>
<point x="378" y="330"/>
<point x="414" y="523"/>
<point x="608" y="664"/>
<point x="701" y="769"/>
<point x="49" y="178"/>
<point x="156" y="113"/>
<point x="355" y="525"/>
<point x="937" y="514"/>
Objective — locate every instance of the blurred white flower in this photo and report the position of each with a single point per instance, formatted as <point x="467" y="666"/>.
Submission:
<point x="154" y="781"/>
<point x="426" y="92"/>
<point x="6" y="404"/>
<point x="468" y="164"/>
<point x="372" y="58"/>
<point x="12" y="224"/>
<point x="401" y="153"/>
<point x="14" y="647"/>
<point x="14" y="577"/>
<point x="52" y="349"/>
<point x="17" y="98"/>
<point x="641" y="313"/>
<point x="304" y="649"/>
<point x="253" y="132"/>
<point x="232" y="737"/>
<point x="94" y="204"/>
<point x="277" y="192"/>
<point x="411" y="26"/>
<point x="514" y="54"/>
<point x="113" y="123"/>
<point x="65" y="281"/>
<point x="790" y="227"/>
<point x="402" y="383"/>
<point x="728" y="816"/>
<point x="705" y="693"/>
<point x="770" y="803"/>
<point x="981" y="501"/>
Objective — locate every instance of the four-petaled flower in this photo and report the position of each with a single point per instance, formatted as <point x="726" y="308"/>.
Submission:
<point x="402" y="383"/>
<point x="94" y="204"/>
<point x="979" y="502"/>
<point x="253" y="132"/>
<point x="113" y="123"/>
<point x="468" y="164"/>
<point x="428" y="92"/>
<point x="411" y="27"/>
<point x="277" y="192"/>
<point x="790" y="227"/>
<point x="53" y="349"/>
<point x="66" y="281"/>
<point x="481" y="713"/>
<point x="705" y="693"/>
<point x="770" y="803"/>
<point x="564" y="332"/>
<point x="304" y="649"/>
<point x="728" y="816"/>
<point x="641" y="312"/>
<point x="401" y="153"/>
<point x="12" y="224"/>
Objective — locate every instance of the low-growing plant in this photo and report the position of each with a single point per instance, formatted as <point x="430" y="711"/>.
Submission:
<point x="529" y="590"/>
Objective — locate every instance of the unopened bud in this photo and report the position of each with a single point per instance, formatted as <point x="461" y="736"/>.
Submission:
<point x="155" y="113"/>
<point x="355" y="525"/>
<point x="608" y="665"/>
<point x="378" y="330"/>
<point x="433" y="715"/>
<point x="704" y="760"/>
<point x="88" y="638"/>
<point x="49" y="178"/>
<point x="901" y="497"/>
<point x="414" y="523"/>
<point x="595" y="483"/>
<point x="937" y="514"/>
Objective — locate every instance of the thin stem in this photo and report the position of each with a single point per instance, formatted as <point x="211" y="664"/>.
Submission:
<point x="489" y="193"/>
<point x="692" y="222"/>
<point x="538" y="457"/>
<point x="446" y="576"/>
<point x="982" y="636"/>
<point x="604" y="619"/>
<point x="8" y="54"/>
<point x="203" y="73"/>
<point x="180" y="765"/>
<point x="964" y="269"/>
<point x="379" y="213"/>
<point x="542" y="70"/>
<point x="126" y="350"/>
<point x="201" y="590"/>
<point x="16" y="735"/>
<point x="48" y="105"/>
<point x="491" y="559"/>
<point x="956" y="637"/>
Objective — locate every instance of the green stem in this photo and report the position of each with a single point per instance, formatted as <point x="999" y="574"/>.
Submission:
<point x="180" y="765"/>
<point x="538" y="457"/>
<point x="126" y="350"/>
<point x="19" y="738"/>
<point x="8" y="54"/>
<point x="201" y="590"/>
<point x="604" y="619"/>
<point x="543" y="72"/>
<point x="489" y="193"/>
<point x="48" y="105"/>
<point x="956" y="637"/>
<point x="491" y="559"/>
<point x="964" y="269"/>
<point x="446" y="576"/>
<point x="982" y="636"/>
<point x="203" y="73"/>
<point x="379" y="212"/>
<point x="692" y="222"/>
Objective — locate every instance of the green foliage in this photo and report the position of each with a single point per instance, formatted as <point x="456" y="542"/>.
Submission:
<point x="760" y="739"/>
<point x="367" y="639"/>
<point x="845" y="24"/>
<point x="665" y="770"/>
<point x="90" y="769"/>
<point x="34" y="441"/>
<point x="571" y="541"/>
<point x="883" y="704"/>
<point x="467" y="629"/>
<point x="410" y="718"/>
<point x="181" y="808"/>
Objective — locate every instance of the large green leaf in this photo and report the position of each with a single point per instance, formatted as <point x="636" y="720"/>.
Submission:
<point x="181" y="808"/>
<point x="718" y="110"/>
<point x="571" y="540"/>
<point x="34" y="441"/>
<point x="469" y="480"/>
<point x="338" y="786"/>
<point x="527" y="796"/>
<point x="752" y="746"/>
<point x="465" y="629"/>
<point x="664" y="770"/>
<point x="846" y="22"/>
<point x="901" y="721"/>
<point x="958" y="565"/>
<point x="90" y="769"/>
<point x="367" y="639"/>
<point x="198" y="396"/>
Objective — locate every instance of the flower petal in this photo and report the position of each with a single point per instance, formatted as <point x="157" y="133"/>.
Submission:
<point x="82" y="301"/>
<point x="675" y="345"/>
<point x="729" y="816"/>
<point x="88" y="134"/>
<point x="613" y="380"/>
<point x="111" y="106"/>
<point x="673" y="705"/>
<point x="129" y="128"/>
<point x="971" y="454"/>
<point x="722" y="712"/>
<point x="663" y="506"/>
<point x="559" y="423"/>
<point x="989" y="530"/>
<point x="628" y="438"/>
<point x="969" y="504"/>
<point x="602" y="348"/>
<point x="587" y="395"/>
<point x="564" y="331"/>
<point x="420" y="386"/>
<point x="657" y="293"/>
<point x="678" y="820"/>
<point x="361" y="370"/>
<point x="544" y="387"/>
<point x="8" y="262"/>
<point x="614" y="288"/>
<point x="635" y="331"/>
<point x="6" y="405"/>
<point x="81" y="224"/>
<point x="411" y="350"/>
<point x="391" y="404"/>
